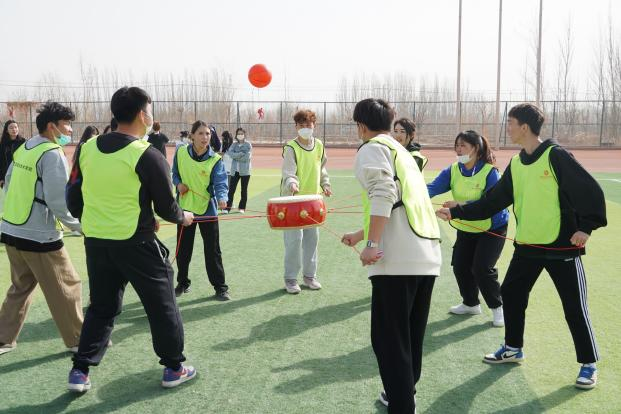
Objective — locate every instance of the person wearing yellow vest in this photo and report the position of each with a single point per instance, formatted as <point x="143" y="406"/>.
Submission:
<point x="557" y="204"/>
<point x="201" y="182"/>
<point x="475" y="252"/>
<point x="34" y="207"/>
<point x="115" y="186"/>
<point x="404" y="131"/>
<point x="303" y="173"/>
<point x="402" y="252"/>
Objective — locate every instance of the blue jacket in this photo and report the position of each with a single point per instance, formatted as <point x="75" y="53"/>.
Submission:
<point x="442" y="184"/>
<point x="240" y="153"/>
<point x="218" y="184"/>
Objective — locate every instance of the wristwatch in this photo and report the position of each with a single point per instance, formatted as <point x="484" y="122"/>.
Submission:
<point x="371" y="243"/>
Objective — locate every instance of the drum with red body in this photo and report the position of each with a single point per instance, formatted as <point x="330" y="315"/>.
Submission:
<point x="296" y="212"/>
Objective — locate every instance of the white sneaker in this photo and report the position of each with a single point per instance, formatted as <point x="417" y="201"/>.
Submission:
<point x="462" y="309"/>
<point x="498" y="317"/>
<point x="242" y="211"/>
<point x="291" y="286"/>
<point x="4" y="348"/>
<point x="312" y="283"/>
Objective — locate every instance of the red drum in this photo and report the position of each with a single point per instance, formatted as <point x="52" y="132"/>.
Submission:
<point x="296" y="212"/>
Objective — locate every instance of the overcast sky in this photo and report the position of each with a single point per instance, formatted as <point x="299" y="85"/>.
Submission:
<point x="312" y="44"/>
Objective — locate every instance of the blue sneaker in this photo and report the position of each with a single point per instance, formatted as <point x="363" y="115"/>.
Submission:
<point x="587" y="377"/>
<point x="78" y="381"/>
<point x="173" y="378"/>
<point x="504" y="355"/>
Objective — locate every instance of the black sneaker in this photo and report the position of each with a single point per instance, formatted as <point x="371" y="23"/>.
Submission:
<point x="223" y="295"/>
<point x="180" y="290"/>
<point x="383" y="398"/>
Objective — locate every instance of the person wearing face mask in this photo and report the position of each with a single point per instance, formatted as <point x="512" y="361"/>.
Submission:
<point x="116" y="186"/>
<point x="241" y="154"/>
<point x="201" y="182"/>
<point x="402" y="252"/>
<point x="10" y="141"/>
<point x="34" y="205"/>
<point x="475" y="252"/>
<point x="304" y="173"/>
<point x="404" y="131"/>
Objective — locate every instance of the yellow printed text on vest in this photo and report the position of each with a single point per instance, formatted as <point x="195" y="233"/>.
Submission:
<point x="536" y="201"/>
<point x="197" y="176"/>
<point x="465" y="189"/>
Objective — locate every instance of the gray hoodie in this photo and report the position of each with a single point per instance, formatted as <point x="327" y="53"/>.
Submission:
<point x="42" y="224"/>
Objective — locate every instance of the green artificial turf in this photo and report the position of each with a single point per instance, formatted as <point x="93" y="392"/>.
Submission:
<point x="269" y="352"/>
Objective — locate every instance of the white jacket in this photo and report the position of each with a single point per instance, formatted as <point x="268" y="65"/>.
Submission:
<point x="405" y="253"/>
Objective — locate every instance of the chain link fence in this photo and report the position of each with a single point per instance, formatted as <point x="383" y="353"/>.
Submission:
<point x="573" y="123"/>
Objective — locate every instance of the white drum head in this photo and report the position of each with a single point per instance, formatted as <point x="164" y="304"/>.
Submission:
<point x="295" y="199"/>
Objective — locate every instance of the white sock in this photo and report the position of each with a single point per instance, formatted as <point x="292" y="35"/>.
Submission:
<point x="510" y="348"/>
<point x="591" y="365"/>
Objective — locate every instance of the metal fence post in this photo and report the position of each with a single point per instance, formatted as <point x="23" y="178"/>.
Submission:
<point x="280" y="123"/>
<point x="553" y="118"/>
<point x="238" y="119"/>
<point x="324" y="123"/>
<point x="601" y="124"/>
<point x="30" y="120"/>
<point x="505" y="126"/>
<point x="196" y="111"/>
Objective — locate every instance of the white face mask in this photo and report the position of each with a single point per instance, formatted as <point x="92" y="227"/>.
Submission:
<point x="241" y="137"/>
<point x="306" y="133"/>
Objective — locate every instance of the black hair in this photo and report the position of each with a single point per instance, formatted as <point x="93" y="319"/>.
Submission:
<point x="52" y="112"/>
<point x="89" y="132"/>
<point x="114" y="125"/>
<point x="5" y="132"/>
<point x="240" y="129"/>
<point x="227" y="135"/>
<point x="407" y="124"/>
<point x="375" y="114"/>
<point x="196" y="125"/>
<point x="127" y="103"/>
<point x="529" y="114"/>
<point x="484" y="152"/>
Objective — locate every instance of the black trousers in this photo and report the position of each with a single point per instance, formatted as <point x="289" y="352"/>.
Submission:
<point x="474" y="260"/>
<point x="146" y="267"/>
<point x="570" y="282"/>
<point x="234" y="179"/>
<point x="399" y="311"/>
<point x="210" y="232"/>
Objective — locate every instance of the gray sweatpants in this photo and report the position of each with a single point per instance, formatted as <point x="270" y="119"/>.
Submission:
<point x="301" y="252"/>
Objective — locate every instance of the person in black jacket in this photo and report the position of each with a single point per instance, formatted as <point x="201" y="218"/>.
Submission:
<point x="557" y="204"/>
<point x="120" y="241"/>
<point x="215" y="143"/>
<point x="10" y="141"/>
<point x="158" y="139"/>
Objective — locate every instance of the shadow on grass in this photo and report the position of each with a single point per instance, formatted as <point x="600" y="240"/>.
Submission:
<point x="547" y="402"/>
<point x="287" y="326"/>
<point x="113" y="396"/>
<point x="138" y="320"/>
<point x="460" y="398"/>
<point x="30" y="363"/>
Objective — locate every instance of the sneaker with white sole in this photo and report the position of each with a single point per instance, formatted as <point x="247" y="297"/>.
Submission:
<point x="78" y="381"/>
<point x="242" y="211"/>
<point x="498" y="317"/>
<point x="504" y="355"/>
<point x="383" y="398"/>
<point x="587" y="377"/>
<point x="312" y="283"/>
<point x="462" y="309"/>
<point x="172" y="378"/>
<point x="291" y="286"/>
<point x="4" y="348"/>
